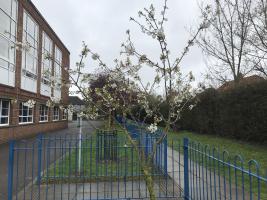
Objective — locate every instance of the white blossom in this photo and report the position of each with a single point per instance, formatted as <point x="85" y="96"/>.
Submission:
<point x="153" y="128"/>
<point x="55" y="99"/>
<point x="191" y="107"/>
<point x="95" y="56"/>
<point x="160" y="34"/>
<point x="113" y="85"/>
<point x="129" y="49"/>
<point x="30" y="103"/>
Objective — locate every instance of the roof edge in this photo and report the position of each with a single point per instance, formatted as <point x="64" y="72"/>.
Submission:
<point x="35" y="8"/>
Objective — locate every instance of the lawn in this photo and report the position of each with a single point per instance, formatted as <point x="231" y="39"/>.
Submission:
<point x="93" y="166"/>
<point x="246" y="150"/>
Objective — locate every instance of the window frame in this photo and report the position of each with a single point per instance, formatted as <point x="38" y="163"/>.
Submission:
<point x="45" y="114"/>
<point x="25" y="116"/>
<point x="10" y="37"/>
<point x="35" y="48"/>
<point x="57" y="68"/>
<point x="46" y="80"/>
<point x="56" y="116"/>
<point x="5" y="116"/>
<point x="11" y="19"/>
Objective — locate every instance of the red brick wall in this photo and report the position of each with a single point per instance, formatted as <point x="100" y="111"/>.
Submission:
<point x="25" y="131"/>
<point x="14" y="130"/>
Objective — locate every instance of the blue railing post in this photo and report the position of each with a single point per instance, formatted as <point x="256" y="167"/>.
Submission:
<point x="186" y="170"/>
<point x="10" y="169"/>
<point x="40" y="144"/>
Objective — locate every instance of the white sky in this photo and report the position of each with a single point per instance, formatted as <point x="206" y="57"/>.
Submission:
<point x="102" y="25"/>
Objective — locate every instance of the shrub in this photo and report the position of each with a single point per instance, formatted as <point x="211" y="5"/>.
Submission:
<point x="239" y="112"/>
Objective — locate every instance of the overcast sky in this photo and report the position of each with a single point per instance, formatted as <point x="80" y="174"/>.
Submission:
<point x="102" y="25"/>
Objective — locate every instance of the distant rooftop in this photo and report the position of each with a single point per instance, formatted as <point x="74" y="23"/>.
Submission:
<point x="75" y="100"/>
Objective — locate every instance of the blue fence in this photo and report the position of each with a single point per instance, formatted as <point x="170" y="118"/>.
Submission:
<point x="49" y="168"/>
<point x="139" y="132"/>
<point x="214" y="174"/>
<point x="70" y="168"/>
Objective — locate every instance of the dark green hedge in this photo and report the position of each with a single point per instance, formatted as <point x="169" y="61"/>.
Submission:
<point x="239" y="112"/>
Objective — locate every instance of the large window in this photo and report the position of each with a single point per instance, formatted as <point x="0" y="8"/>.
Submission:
<point x="43" y="113"/>
<point x="57" y="72"/>
<point x="47" y="59"/>
<point x="8" y="29"/>
<point x="56" y="114"/>
<point x="25" y="114"/>
<point x="30" y="55"/>
<point x="4" y="112"/>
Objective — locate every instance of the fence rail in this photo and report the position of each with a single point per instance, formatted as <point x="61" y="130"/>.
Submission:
<point x="49" y="168"/>
<point x="213" y="174"/>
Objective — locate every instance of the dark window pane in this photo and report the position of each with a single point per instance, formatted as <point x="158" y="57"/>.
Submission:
<point x="5" y="104"/>
<point x="5" y="111"/>
<point x="24" y="112"/>
<point x="30" y="111"/>
<point x="4" y="120"/>
<point x="29" y="119"/>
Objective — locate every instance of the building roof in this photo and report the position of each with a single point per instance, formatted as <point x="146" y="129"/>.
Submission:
<point x="75" y="100"/>
<point x="244" y="81"/>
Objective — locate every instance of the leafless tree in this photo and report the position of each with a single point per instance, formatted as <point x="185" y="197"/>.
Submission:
<point x="258" y="37"/>
<point x="225" y="41"/>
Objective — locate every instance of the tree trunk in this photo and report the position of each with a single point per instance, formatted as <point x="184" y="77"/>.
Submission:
<point x="149" y="183"/>
<point x="109" y="120"/>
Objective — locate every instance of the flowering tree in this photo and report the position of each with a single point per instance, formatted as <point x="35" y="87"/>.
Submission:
<point x="117" y="95"/>
<point x="110" y="94"/>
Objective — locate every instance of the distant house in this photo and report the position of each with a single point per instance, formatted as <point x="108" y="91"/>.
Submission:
<point x="78" y="106"/>
<point x="244" y="81"/>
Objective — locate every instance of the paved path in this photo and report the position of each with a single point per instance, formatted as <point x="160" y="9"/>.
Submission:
<point x="123" y="190"/>
<point x="72" y="130"/>
<point x="201" y="180"/>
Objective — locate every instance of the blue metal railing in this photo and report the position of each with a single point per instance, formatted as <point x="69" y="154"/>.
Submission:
<point x="48" y="168"/>
<point x="139" y="132"/>
<point x="212" y="174"/>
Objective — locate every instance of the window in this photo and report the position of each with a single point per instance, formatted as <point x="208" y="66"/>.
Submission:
<point x="8" y="29"/>
<point x="46" y="62"/>
<point x="30" y="36"/>
<point x="64" y="114"/>
<point x="4" y="112"/>
<point x="57" y="69"/>
<point x="56" y="114"/>
<point x="25" y="114"/>
<point x="30" y="56"/>
<point x="43" y="113"/>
